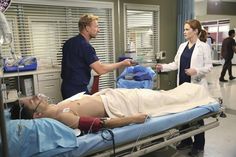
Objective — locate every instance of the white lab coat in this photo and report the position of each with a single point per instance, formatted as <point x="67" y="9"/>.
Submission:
<point x="200" y="60"/>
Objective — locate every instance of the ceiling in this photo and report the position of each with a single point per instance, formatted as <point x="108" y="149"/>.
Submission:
<point x="216" y="0"/>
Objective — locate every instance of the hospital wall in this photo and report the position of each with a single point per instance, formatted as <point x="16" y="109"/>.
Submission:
<point x="168" y="31"/>
<point x="232" y="19"/>
<point x="208" y="11"/>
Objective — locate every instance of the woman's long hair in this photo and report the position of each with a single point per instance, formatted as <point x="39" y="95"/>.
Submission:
<point x="203" y="36"/>
<point x="196" y="25"/>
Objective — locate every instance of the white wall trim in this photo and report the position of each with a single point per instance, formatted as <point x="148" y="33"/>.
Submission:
<point x="132" y="6"/>
<point x="141" y="7"/>
<point x="78" y="3"/>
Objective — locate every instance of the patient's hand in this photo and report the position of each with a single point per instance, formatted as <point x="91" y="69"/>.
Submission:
<point x="118" y="122"/>
<point x="139" y="118"/>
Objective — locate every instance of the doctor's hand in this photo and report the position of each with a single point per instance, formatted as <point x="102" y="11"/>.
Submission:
<point x="159" y="67"/>
<point x="190" y="71"/>
<point x="127" y="62"/>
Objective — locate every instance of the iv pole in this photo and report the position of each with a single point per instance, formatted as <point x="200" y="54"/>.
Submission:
<point x="2" y="121"/>
<point x="2" y="114"/>
<point x="5" y="38"/>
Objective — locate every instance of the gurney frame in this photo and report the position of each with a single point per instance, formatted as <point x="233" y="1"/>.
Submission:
<point x="160" y="140"/>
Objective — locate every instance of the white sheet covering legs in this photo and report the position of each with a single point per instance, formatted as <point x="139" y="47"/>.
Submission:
<point x="121" y="102"/>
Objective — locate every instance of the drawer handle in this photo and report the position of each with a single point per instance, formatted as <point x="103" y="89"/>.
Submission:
<point x="49" y="86"/>
<point x="49" y="76"/>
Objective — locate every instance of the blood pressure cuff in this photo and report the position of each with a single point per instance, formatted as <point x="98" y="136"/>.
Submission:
<point x="90" y="124"/>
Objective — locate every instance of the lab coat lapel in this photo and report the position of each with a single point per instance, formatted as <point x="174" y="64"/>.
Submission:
<point x="180" y="51"/>
<point x="194" y="59"/>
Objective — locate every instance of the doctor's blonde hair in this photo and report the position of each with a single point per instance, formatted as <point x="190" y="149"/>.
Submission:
<point x="85" y="20"/>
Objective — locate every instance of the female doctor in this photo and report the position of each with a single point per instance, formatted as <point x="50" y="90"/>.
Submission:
<point x="193" y="62"/>
<point x="193" y="58"/>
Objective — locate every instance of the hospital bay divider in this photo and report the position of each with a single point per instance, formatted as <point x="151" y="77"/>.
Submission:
<point x="166" y="80"/>
<point x="46" y="81"/>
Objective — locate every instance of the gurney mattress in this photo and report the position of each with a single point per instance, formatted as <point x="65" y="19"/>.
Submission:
<point x="89" y="143"/>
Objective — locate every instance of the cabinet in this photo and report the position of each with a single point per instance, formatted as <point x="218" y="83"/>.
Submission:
<point x="166" y="80"/>
<point x="50" y="85"/>
<point x="15" y="86"/>
<point x="46" y="81"/>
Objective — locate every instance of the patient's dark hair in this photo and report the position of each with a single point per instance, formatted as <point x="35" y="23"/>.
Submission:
<point x="15" y="111"/>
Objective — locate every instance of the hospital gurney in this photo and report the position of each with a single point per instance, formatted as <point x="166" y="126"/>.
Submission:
<point x="132" y="140"/>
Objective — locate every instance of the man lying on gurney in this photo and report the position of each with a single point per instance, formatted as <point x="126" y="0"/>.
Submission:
<point x="120" y="106"/>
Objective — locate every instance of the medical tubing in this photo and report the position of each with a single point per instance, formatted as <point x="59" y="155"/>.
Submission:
<point x="140" y="133"/>
<point x="18" y="81"/>
<point x="20" y="127"/>
<point x="109" y="139"/>
<point x="89" y="124"/>
<point x="91" y="127"/>
<point x="3" y="82"/>
<point x="21" y="108"/>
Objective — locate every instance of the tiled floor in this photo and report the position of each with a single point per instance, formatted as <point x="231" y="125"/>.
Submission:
<point x="225" y="90"/>
<point x="220" y="141"/>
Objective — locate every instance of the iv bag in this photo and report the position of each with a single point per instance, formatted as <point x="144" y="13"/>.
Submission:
<point x="5" y="32"/>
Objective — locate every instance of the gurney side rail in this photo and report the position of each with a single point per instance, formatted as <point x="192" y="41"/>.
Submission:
<point x="174" y="140"/>
<point x="170" y="137"/>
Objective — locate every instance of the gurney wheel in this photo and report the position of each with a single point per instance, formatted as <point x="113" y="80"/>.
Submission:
<point x="220" y="100"/>
<point x="223" y="115"/>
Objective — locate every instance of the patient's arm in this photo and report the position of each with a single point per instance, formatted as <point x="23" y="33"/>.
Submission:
<point x="118" y="122"/>
<point x="85" y="123"/>
<point x="94" y="124"/>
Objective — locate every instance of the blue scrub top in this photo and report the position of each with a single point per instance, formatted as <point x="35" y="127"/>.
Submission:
<point x="78" y="54"/>
<point x="185" y="61"/>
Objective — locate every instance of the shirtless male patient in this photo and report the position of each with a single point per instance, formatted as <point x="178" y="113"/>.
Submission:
<point x="122" y="106"/>
<point x="86" y="113"/>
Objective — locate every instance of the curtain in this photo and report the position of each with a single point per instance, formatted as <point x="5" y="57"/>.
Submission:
<point x="185" y="12"/>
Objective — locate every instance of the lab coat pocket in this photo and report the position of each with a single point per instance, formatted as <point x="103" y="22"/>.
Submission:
<point x="199" y="60"/>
